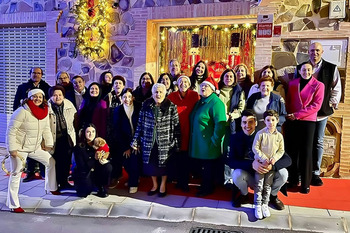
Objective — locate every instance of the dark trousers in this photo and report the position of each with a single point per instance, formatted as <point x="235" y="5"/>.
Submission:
<point x="208" y="173"/>
<point x="34" y="166"/>
<point x="63" y="158"/>
<point x="86" y="181"/>
<point x="299" y="143"/>
<point x="117" y="162"/>
<point x="132" y="166"/>
<point x="182" y="168"/>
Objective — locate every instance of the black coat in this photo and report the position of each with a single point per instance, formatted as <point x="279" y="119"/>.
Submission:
<point x="122" y="129"/>
<point x="70" y="95"/>
<point x="88" y="173"/>
<point x="24" y="88"/>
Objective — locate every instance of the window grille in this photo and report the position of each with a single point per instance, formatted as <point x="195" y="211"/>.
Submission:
<point x="21" y="48"/>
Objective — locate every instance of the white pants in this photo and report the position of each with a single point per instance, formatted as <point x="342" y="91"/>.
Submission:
<point x="16" y="165"/>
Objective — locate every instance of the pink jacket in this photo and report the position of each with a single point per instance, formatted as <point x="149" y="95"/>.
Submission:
<point x="305" y="104"/>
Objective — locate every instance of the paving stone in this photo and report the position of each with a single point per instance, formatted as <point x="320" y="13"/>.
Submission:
<point x="200" y="202"/>
<point x="73" y="198"/>
<point x="28" y="204"/>
<point x="296" y="210"/>
<point x="171" y="214"/>
<point x="2" y="201"/>
<point x="319" y="224"/>
<point x="133" y="201"/>
<point x="216" y="216"/>
<point x="60" y="207"/>
<point x="92" y="209"/>
<point x="275" y="221"/>
<point x="225" y="205"/>
<point x="35" y="192"/>
<point x="339" y="213"/>
<point x="130" y="210"/>
<point x="171" y="200"/>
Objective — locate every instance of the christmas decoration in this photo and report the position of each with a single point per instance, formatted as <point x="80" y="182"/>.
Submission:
<point x="212" y="45"/>
<point x="92" y="17"/>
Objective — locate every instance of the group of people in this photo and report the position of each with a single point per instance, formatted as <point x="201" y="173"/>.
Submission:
<point x="257" y="135"/>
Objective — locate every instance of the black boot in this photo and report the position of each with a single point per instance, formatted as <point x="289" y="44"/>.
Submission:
<point x="102" y="192"/>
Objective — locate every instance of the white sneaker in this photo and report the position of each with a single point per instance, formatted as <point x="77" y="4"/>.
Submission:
<point x="265" y="210"/>
<point x="258" y="212"/>
<point x="133" y="190"/>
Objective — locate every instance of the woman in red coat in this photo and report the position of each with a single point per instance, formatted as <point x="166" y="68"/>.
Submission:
<point x="304" y="99"/>
<point x="185" y="99"/>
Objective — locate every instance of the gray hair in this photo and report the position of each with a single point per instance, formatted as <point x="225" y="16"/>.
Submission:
<point x="59" y="74"/>
<point x="158" y="85"/>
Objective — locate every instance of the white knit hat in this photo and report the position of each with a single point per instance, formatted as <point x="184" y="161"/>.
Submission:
<point x="35" y="91"/>
<point x="177" y="82"/>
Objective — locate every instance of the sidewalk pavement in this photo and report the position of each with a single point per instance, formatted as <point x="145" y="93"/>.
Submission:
<point x="172" y="208"/>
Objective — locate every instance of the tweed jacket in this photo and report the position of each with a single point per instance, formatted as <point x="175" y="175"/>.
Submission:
<point x="167" y="126"/>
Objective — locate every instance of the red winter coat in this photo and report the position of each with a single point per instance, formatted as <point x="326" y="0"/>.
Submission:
<point x="184" y="109"/>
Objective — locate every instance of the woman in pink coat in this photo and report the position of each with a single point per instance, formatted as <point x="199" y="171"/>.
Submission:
<point x="304" y="99"/>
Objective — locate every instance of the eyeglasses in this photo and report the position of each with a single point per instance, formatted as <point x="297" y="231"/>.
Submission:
<point x="36" y="73"/>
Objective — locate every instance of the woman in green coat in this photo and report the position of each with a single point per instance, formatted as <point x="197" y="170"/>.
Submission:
<point x="207" y="129"/>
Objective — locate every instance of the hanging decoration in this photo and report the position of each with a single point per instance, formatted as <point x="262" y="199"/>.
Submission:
<point x="92" y="17"/>
<point x="220" y="46"/>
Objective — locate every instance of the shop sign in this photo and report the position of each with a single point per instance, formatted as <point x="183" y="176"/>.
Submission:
<point x="264" y="26"/>
<point x="277" y="30"/>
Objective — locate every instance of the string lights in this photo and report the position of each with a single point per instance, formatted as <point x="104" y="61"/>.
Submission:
<point x="213" y="45"/>
<point x="92" y="17"/>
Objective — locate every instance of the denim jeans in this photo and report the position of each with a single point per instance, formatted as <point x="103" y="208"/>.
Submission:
<point x="318" y="146"/>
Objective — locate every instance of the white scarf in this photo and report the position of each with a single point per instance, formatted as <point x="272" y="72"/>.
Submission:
<point x="129" y="111"/>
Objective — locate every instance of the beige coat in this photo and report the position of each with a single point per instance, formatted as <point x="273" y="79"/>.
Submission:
<point x="68" y="112"/>
<point x="25" y="132"/>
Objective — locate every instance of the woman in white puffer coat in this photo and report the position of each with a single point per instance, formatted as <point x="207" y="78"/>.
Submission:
<point x="29" y="126"/>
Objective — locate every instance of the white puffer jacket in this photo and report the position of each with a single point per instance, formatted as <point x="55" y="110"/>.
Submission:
<point x="25" y="132"/>
<point x="68" y="113"/>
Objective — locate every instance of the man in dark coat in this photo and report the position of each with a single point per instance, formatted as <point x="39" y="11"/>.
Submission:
<point x="241" y="159"/>
<point x="35" y="81"/>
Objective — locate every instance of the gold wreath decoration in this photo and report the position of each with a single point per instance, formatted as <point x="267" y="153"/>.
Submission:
<point x="90" y="36"/>
<point x="7" y="171"/>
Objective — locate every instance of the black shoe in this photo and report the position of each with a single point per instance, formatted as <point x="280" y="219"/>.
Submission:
<point x="242" y="199"/>
<point x="102" y="192"/>
<point x="161" y="194"/>
<point x="283" y="190"/>
<point x="183" y="187"/>
<point x="29" y="177"/>
<point x="276" y="203"/>
<point x="151" y="193"/>
<point x="316" y="181"/>
<point x="203" y="193"/>
<point x="305" y="190"/>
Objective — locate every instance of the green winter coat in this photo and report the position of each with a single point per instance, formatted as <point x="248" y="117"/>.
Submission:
<point x="207" y="128"/>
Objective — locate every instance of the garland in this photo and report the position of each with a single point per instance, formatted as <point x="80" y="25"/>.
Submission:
<point x="92" y="19"/>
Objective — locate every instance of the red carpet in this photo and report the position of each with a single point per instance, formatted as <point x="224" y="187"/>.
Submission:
<point x="334" y="194"/>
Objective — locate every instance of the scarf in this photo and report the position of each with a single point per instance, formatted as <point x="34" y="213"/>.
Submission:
<point x="61" y="125"/>
<point x="129" y="111"/>
<point x="38" y="112"/>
